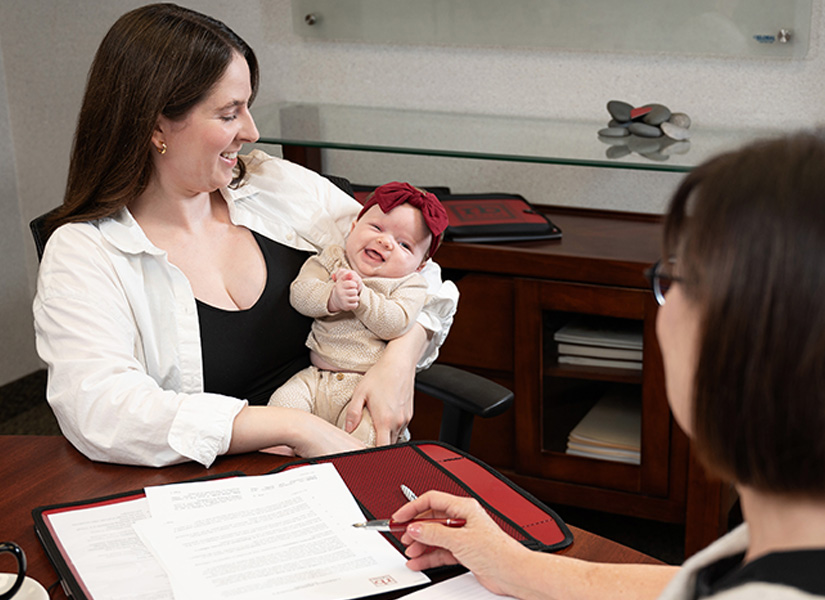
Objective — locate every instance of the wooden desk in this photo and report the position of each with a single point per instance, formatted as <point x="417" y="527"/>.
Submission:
<point x="42" y="470"/>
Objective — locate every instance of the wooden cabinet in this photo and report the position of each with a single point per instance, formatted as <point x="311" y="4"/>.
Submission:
<point x="513" y="298"/>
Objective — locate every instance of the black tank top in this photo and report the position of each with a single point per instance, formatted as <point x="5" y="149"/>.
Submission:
<point x="249" y="353"/>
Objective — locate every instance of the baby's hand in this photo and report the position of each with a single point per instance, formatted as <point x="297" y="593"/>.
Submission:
<point x="346" y="291"/>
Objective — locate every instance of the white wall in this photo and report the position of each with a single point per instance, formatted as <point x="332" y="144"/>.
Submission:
<point x="15" y="322"/>
<point x="47" y="46"/>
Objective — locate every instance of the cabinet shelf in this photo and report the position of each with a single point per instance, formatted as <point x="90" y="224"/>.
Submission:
<point x="553" y="369"/>
<point x="523" y="294"/>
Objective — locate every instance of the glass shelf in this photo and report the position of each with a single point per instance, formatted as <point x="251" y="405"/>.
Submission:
<point x="489" y="137"/>
<point x="763" y="29"/>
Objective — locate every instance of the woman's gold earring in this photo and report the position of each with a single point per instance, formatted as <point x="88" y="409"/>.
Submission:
<point x="162" y="148"/>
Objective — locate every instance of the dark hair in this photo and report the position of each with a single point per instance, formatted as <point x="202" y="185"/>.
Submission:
<point x="748" y="232"/>
<point x="159" y="59"/>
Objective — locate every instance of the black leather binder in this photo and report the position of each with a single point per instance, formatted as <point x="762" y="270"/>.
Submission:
<point x="484" y="218"/>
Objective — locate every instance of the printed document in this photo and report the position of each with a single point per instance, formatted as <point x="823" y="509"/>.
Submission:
<point x="286" y="536"/>
<point x="108" y="558"/>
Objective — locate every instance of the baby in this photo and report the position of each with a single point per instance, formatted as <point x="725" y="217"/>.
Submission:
<point x="361" y="296"/>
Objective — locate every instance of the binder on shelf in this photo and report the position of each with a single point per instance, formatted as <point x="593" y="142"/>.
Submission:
<point x="480" y="218"/>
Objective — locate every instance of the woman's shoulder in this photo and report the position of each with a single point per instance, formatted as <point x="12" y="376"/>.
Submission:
<point x="70" y="239"/>
<point x="78" y="254"/>
<point x="73" y="259"/>
<point x="81" y="239"/>
<point x="262" y="166"/>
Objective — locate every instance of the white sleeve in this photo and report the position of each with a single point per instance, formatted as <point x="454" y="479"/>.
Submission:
<point x="437" y="314"/>
<point x="105" y="400"/>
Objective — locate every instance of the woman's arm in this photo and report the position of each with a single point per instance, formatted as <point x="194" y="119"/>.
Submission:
<point x="258" y="427"/>
<point x="387" y="387"/>
<point x="506" y="567"/>
<point x="115" y="385"/>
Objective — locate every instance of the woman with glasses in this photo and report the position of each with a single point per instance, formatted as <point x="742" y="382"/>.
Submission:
<point x="742" y="333"/>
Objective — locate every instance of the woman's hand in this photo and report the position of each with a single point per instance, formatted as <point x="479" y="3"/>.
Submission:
<point x="480" y="545"/>
<point x="258" y="427"/>
<point x="387" y="388"/>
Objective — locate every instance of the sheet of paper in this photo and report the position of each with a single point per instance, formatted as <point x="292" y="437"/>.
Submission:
<point x="286" y="536"/>
<point x="463" y="587"/>
<point x="102" y="545"/>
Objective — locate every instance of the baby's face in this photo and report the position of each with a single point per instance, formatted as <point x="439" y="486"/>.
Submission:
<point x="388" y="245"/>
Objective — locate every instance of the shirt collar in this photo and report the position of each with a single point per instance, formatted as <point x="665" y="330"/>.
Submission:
<point x="123" y="232"/>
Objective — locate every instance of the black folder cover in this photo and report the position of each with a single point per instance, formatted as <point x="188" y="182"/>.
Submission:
<point x="480" y="218"/>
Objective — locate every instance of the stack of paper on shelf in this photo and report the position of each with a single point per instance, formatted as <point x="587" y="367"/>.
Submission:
<point x="601" y="342"/>
<point x="611" y="430"/>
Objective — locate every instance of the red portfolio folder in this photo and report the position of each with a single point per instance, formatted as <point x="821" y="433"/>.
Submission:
<point x="375" y="477"/>
<point x="495" y="218"/>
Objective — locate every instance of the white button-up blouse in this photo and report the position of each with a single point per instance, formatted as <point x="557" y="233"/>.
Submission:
<point x="117" y="323"/>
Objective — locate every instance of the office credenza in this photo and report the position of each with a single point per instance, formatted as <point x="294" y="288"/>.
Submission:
<point x="514" y="298"/>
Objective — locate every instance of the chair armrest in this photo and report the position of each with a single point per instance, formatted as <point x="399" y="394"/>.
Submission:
<point x="464" y="390"/>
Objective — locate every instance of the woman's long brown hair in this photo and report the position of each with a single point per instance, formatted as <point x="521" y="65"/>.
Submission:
<point x="159" y="59"/>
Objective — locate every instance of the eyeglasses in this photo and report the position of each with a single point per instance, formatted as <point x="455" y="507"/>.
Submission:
<point x="660" y="280"/>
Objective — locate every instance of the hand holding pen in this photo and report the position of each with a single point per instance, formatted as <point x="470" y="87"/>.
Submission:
<point x="388" y="525"/>
<point x="480" y="545"/>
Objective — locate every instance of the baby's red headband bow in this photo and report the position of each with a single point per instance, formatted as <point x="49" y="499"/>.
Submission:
<point x="390" y="195"/>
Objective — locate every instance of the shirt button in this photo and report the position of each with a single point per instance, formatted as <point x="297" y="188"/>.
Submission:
<point x="289" y="236"/>
<point x="339" y="376"/>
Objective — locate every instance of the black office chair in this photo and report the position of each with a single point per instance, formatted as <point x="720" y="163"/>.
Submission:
<point x="464" y="395"/>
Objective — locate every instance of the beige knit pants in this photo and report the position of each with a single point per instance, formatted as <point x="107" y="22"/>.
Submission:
<point x="326" y="394"/>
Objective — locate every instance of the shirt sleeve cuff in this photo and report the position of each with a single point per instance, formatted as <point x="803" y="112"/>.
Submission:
<point x="202" y="428"/>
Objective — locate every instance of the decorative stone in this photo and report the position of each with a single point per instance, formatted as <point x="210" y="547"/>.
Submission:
<point x="637" y="114"/>
<point x="680" y="120"/>
<point x="619" y="110"/>
<point x="674" y="131"/>
<point x="652" y="131"/>
<point x="614" y="141"/>
<point x="645" y="130"/>
<point x="617" y="151"/>
<point x="676" y="148"/>
<point x="614" y="132"/>
<point x="658" y="114"/>
<point x="644" y="145"/>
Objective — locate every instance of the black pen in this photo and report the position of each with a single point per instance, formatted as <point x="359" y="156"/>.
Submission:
<point x="396" y="527"/>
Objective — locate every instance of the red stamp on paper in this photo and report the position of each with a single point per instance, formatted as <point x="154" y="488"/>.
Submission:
<point x="383" y="581"/>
